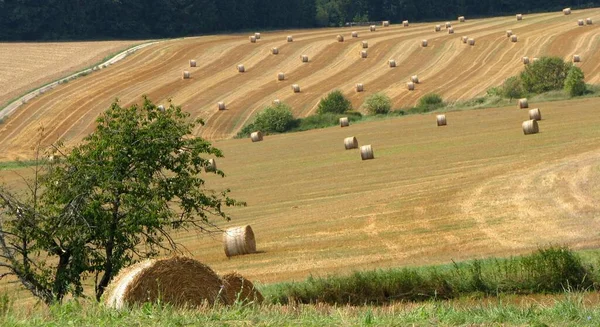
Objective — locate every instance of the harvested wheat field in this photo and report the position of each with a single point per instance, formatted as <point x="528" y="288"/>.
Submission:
<point x="446" y="66"/>
<point x="24" y="66"/>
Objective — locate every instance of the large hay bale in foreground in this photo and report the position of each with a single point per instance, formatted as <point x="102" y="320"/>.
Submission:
<point x="211" y="165"/>
<point x="177" y="281"/>
<point x="385" y="23"/>
<point x="290" y="38"/>
<point x="192" y="63"/>
<point x="354" y="34"/>
<point x="424" y="43"/>
<point x="513" y="38"/>
<point x="405" y="23"/>
<point x="372" y="28"/>
<point x="471" y="42"/>
<point x="438" y="28"/>
<point x="365" y="44"/>
<point x="186" y="74"/>
<point x="567" y="11"/>
<point x="448" y="25"/>
<point x="363" y="54"/>
<point x="350" y="143"/>
<point x="392" y="63"/>
<point x="410" y="86"/>
<point x="252" y="39"/>
<point x="414" y="79"/>
<point x="304" y="58"/>
<point x="296" y="88"/>
<point x="280" y="76"/>
<point x="221" y="105"/>
<point x="580" y="22"/>
<point x="275" y="51"/>
<point x="576" y="58"/>
<point x="530" y="127"/>
<point x="359" y="87"/>
<point x="523" y="104"/>
<point x="509" y="33"/>
<point x="239" y="241"/>
<point x="257" y="36"/>
<point x="441" y="120"/>
<point x="461" y="19"/>
<point x="340" y="38"/>
<point x="525" y="60"/>
<point x="344" y="122"/>
<point x="464" y="39"/>
<point x="519" y="17"/>
<point x="256" y="136"/>
<point x="588" y="21"/>
<point x="241" y="68"/>
<point x="238" y="288"/>
<point x="366" y="152"/>
<point x="535" y="114"/>
<point x="161" y="108"/>
<point x="451" y="30"/>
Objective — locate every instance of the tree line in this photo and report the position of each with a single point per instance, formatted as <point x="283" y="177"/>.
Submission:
<point x="105" y="19"/>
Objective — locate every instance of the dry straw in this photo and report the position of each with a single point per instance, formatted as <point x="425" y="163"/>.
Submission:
<point x="239" y="289"/>
<point x="192" y="63"/>
<point x="252" y="39"/>
<point x="392" y="63"/>
<point x="296" y="88"/>
<point x="241" y="68"/>
<point x="290" y="38"/>
<point x="276" y="102"/>
<point x="186" y="74"/>
<point x="580" y="22"/>
<point x="438" y="28"/>
<point x="576" y="58"/>
<point x="461" y="19"/>
<point x="448" y="25"/>
<point x="567" y="11"/>
<point x="424" y="43"/>
<point x="354" y="34"/>
<point x="405" y="23"/>
<point x="221" y="105"/>
<point x="161" y="108"/>
<point x="350" y="143"/>
<point x="275" y="51"/>
<point x="525" y="60"/>
<point x="257" y="36"/>
<point x="256" y="136"/>
<point x="239" y="241"/>
<point x="366" y="152"/>
<point x="410" y="86"/>
<point x="363" y="54"/>
<point x="451" y="30"/>
<point x="414" y="79"/>
<point x="211" y="165"/>
<point x="304" y="58"/>
<point x="385" y="23"/>
<point x="588" y="21"/>
<point x="372" y="28"/>
<point x="509" y="33"/>
<point x="359" y="87"/>
<point x="535" y="114"/>
<point x="513" y="38"/>
<point x="365" y="44"/>
<point x="344" y="122"/>
<point x="340" y="38"/>
<point x="280" y="76"/>
<point x="177" y="281"/>
<point x="530" y="127"/>
<point x="519" y="17"/>
<point x="471" y="41"/>
<point x="441" y="120"/>
<point x="464" y="39"/>
<point x="523" y="104"/>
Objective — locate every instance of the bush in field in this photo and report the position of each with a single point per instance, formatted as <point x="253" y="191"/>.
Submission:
<point x="275" y="119"/>
<point x="574" y="84"/>
<point x="334" y="103"/>
<point x="545" y="74"/>
<point x="512" y="88"/>
<point x="378" y="104"/>
<point x="431" y="100"/>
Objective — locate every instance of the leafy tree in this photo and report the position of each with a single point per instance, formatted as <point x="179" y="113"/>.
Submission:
<point x="431" y="100"/>
<point x="111" y="201"/>
<point x="512" y="88"/>
<point x="335" y="103"/>
<point x="545" y="74"/>
<point x="378" y="104"/>
<point x="275" y="119"/>
<point x="574" y="83"/>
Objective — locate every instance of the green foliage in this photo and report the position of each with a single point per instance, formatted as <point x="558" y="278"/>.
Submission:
<point x="431" y="101"/>
<point x="545" y="74"/>
<point x="334" y="103"/>
<point x="325" y="120"/>
<point x="574" y="83"/>
<point x="512" y="88"/>
<point x="273" y="119"/>
<point x="378" y="104"/>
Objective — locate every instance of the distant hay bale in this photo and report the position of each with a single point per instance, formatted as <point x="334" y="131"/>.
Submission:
<point x="211" y="165"/>
<point x="385" y="23"/>
<point x="257" y="36"/>
<point x="451" y="30"/>
<point x="535" y="114"/>
<point x="530" y="127"/>
<point x="461" y="19"/>
<point x="580" y="22"/>
<point x="304" y="58"/>
<point x="414" y="79"/>
<point x="372" y="28"/>
<point x="405" y="23"/>
<point x="535" y="59"/>
<point x="290" y="38"/>
<point x="340" y="38"/>
<point x="252" y="39"/>
<point x="296" y="88"/>
<point x="441" y="120"/>
<point x="177" y="281"/>
<point x="424" y="43"/>
<point x="392" y="63"/>
<point x="576" y="58"/>
<point x="276" y="102"/>
<point x="410" y="86"/>
<point x="588" y="21"/>
<point x="363" y="54"/>
<point x="344" y="122"/>
<point x="192" y="63"/>
<point x="241" y="68"/>
<point x="359" y="87"/>
<point x="239" y="289"/>
<point x="186" y="74"/>
<point x="365" y="44"/>
<point x="464" y="39"/>
<point x="366" y="152"/>
<point x="161" y="108"/>
<point x="448" y="25"/>
<point x="280" y="76"/>
<point x="239" y="241"/>
<point x="471" y="41"/>
<point x="256" y="136"/>
<point x="513" y="38"/>
<point x="523" y="104"/>
<point x="525" y="60"/>
<point x="221" y="105"/>
<point x="438" y="28"/>
<point x="519" y="17"/>
<point x="509" y="33"/>
<point x="567" y="11"/>
<point x="354" y="34"/>
<point x="350" y="143"/>
<point x="275" y="51"/>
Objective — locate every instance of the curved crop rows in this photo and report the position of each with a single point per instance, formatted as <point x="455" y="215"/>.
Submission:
<point x="447" y="66"/>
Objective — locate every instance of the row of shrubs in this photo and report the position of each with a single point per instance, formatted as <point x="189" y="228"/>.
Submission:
<point x="551" y="270"/>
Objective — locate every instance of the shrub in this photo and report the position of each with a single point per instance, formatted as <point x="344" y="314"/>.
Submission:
<point x="378" y="104"/>
<point x="512" y="88"/>
<point x="335" y="103"/>
<point x="431" y="100"/>
<point x="275" y="119"/>
<point x="325" y="120"/>
<point x="545" y="74"/>
<point x="574" y="84"/>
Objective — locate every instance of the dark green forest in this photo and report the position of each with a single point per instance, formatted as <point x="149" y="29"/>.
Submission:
<point x="112" y="19"/>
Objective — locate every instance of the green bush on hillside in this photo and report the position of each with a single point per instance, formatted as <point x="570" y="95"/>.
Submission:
<point x="512" y="88"/>
<point x="378" y="104"/>
<point x="545" y="74"/>
<point x="574" y="83"/>
<point x="273" y="119"/>
<point x="325" y="120"/>
<point x="334" y="103"/>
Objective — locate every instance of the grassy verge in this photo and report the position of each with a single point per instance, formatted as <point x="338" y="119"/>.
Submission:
<point x="9" y="165"/>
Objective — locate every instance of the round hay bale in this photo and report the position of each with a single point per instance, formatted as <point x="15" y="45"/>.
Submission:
<point x="186" y="74"/>
<point x="276" y="102"/>
<point x="241" y="68"/>
<point x="451" y="30"/>
<point x="385" y="23"/>
<point x="424" y="43"/>
<point x="275" y="51"/>
<point x="580" y="22"/>
<point x="237" y="288"/>
<point x="304" y="58"/>
<point x="513" y="38"/>
<point x="410" y="86"/>
<point x="366" y="152"/>
<point x="509" y="33"/>
<point x="211" y="165"/>
<point x="252" y="39"/>
<point x="523" y="104"/>
<point x="177" y="281"/>
<point x="530" y="127"/>
<point x="448" y="25"/>
<point x="438" y="28"/>
<point x="290" y="38"/>
<point x="365" y="44"/>
<point x="525" y="60"/>
<point x="405" y="23"/>
<point x="471" y="42"/>
<point x="192" y="63"/>
<point x="567" y="11"/>
<point x="296" y="88"/>
<point x="392" y="63"/>
<point x="239" y="241"/>
<point x="350" y="143"/>
<point x="461" y="19"/>
<point x="359" y="87"/>
<point x="588" y="21"/>
<point x="221" y="105"/>
<point x="372" y="28"/>
<point x="576" y="58"/>
<point x="535" y="59"/>
<point x="414" y="79"/>
<point x="256" y="136"/>
<point x="363" y="54"/>
<point x="344" y="122"/>
<point x="519" y="17"/>
<point x="354" y="34"/>
<point x="535" y="114"/>
<point x="161" y="108"/>
<point x="340" y="38"/>
<point x="280" y="76"/>
<point x="464" y="39"/>
<point x="441" y="120"/>
<point x="257" y="36"/>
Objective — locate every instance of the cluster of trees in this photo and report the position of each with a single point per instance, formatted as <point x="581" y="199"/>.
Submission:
<point x="85" y="19"/>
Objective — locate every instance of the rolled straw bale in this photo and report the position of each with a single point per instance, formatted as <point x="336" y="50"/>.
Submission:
<point x="290" y="38"/>
<point x="241" y="68"/>
<point x="192" y="63"/>
<point x="365" y="44"/>
<point x="535" y="59"/>
<point x="363" y="54"/>
<point x="161" y="108"/>
<point x="340" y="38"/>
<point x="519" y="17"/>
<point x="513" y="38"/>
<point x="304" y="58"/>
<point x="392" y="63"/>
<point x="448" y="25"/>
<point x="438" y="28"/>
<point x="535" y="114"/>
<point x="424" y="43"/>
<point x="252" y="39"/>
<point x="530" y="127"/>
<point x="256" y="136"/>
<point x="177" y="281"/>
<point x="359" y="87"/>
<point x="461" y="19"/>
<point x="588" y="21"/>
<point x="580" y="22"/>
<point x="344" y="122"/>
<point x="567" y="11"/>
<point x="186" y="74"/>
<point x="576" y="58"/>
<point x="276" y="102"/>
<point x="280" y="76"/>
<point x="451" y="30"/>
<point x="211" y="165"/>
<point x="441" y="120"/>
<point x="366" y="152"/>
<point x="350" y="143"/>
<point x="239" y="289"/>
<point x="275" y="51"/>
<point x="471" y="41"/>
<point x="221" y="105"/>
<point x="509" y="33"/>
<point x="525" y="60"/>
<point x="296" y="88"/>
<point x="410" y="86"/>
<point x="239" y="241"/>
<point x="257" y="36"/>
<point x="523" y="104"/>
<point x="464" y="39"/>
<point x="385" y="23"/>
<point x="372" y="28"/>
<point x="354" y="34"/>
<point x="405" y="23"/>
<point x="414" y="79"/>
